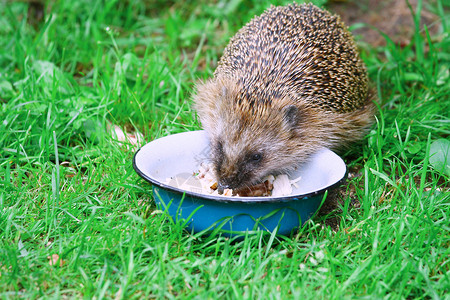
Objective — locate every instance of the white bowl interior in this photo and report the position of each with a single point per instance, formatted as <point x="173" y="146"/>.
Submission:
<point x="182" y="153"/>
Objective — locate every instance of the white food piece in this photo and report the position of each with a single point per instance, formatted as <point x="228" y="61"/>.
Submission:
<point x="281" y="186"/>
<point x="294" y="181"/>
<point x="228" y="192"/>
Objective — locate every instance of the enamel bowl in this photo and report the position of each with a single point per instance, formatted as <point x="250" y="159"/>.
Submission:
<point x="160" y="160"/>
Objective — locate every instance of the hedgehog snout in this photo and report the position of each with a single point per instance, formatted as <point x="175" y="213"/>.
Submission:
<point x="226" y="183"/>
<point x="221" y="187"/>
<point x="233" y="180"/>
<point x="228" y="180"/>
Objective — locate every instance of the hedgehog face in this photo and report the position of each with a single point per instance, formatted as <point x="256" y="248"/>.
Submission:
<point x="248" y="144"/>
<point x="251" y="139"/>
<point x="237" y="169"/>
<point x="247" y="150"/>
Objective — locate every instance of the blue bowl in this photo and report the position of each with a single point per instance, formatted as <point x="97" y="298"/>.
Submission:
<point x="182" y="153"/>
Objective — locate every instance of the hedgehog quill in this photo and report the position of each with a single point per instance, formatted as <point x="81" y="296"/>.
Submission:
<point x="289" y="82"/>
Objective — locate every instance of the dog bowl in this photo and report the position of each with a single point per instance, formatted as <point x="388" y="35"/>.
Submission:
<point x="162" y="159"/>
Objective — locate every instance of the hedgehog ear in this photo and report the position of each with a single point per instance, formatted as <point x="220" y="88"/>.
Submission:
<point x="291" y="116"/>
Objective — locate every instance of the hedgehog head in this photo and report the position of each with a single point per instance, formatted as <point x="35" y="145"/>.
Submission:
<point x="251" y="139"/>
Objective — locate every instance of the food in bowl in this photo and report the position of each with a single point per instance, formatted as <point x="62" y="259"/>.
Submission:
<point x="204" y="181"/>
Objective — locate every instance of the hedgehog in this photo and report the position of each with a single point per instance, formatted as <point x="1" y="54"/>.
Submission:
<point x="288" y="83"/>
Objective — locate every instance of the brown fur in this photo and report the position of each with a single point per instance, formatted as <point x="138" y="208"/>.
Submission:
<point x="289" y="83"/>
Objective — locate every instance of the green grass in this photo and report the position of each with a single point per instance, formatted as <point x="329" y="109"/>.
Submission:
<point x="67" y="189"/>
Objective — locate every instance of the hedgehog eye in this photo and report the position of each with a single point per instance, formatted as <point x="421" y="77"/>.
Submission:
<point x="256" y="157"/>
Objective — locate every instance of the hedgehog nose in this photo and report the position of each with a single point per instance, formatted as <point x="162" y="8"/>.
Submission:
<point x="222" y="186"/>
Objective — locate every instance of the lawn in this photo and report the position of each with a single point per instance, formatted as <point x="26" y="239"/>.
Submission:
<point x="76" y="221"/>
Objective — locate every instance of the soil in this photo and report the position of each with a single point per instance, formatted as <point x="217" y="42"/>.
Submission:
<point x="392" y="17"/>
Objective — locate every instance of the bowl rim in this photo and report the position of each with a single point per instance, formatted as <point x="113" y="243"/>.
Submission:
<point x="225" y="199"/>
